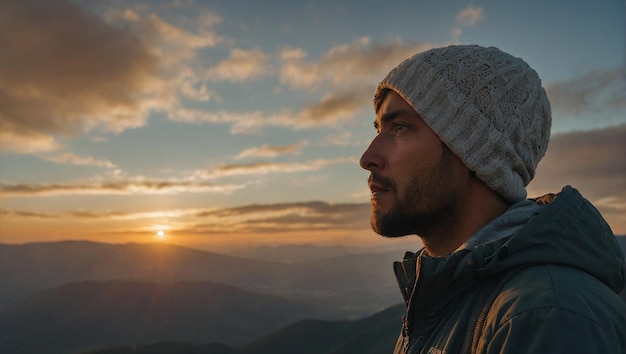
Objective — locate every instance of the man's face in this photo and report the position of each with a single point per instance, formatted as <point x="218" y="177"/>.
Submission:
<point x="414" y="178"/>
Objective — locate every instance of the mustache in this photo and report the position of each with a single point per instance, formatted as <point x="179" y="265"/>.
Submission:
<point x="382" y="181"/>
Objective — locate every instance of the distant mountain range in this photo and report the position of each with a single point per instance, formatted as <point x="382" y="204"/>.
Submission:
<point x="93" y="298"/>
<point x="372" y="335"/>
<point x="294" y="253"/>
<point x="364" y="281"/>
<point x="86" y="315"/>
<point x="67" y="297"/>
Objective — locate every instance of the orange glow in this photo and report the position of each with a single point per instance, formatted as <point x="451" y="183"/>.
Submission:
<point x="161" y="235"/>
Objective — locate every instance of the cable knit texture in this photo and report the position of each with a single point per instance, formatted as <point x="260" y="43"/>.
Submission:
<point x="487" y="106"/>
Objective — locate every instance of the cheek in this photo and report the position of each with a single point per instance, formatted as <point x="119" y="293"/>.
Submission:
<point x="415" y="158"/>
<point x="415" y="164"/>
<point x="461" y="174"/>
<point x="407" y="169"/>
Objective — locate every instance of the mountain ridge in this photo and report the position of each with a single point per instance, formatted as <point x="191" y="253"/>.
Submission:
<point x="83" y="315"/>
<point x="324" y="335"/>
<point x="366" y="283"/>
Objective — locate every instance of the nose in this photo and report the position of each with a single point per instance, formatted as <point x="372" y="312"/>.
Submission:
<point x="371" y="158"/>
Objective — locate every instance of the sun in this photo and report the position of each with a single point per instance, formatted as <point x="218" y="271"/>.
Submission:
<point x="160" y="235"/>
<point x="160" y="232"/>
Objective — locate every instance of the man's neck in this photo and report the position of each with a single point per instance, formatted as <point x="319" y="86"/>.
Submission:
<point x="476" y="209"/>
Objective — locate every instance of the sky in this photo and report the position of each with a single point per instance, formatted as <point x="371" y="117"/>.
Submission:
<point x="239" y="123"/>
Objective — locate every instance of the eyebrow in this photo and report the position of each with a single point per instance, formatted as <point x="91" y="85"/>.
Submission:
<point x="387" y="117"/>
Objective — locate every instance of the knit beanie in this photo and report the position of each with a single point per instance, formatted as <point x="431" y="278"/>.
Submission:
<point x="487" y="106"/>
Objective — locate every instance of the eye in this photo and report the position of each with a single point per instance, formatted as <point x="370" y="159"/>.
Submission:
<point x="399" y="128"/>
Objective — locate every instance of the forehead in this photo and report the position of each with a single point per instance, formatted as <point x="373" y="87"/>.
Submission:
<point x="390" y="99"/>
<point x="392" y="105"/>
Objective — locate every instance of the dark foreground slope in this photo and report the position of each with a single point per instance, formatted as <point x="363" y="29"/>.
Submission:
<point x="372" y="335"/>
<point x="89" y="315"/>
<point x="167" y="348"/>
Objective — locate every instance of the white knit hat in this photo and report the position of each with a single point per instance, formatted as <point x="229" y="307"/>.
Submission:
<point x="487" y="106"/>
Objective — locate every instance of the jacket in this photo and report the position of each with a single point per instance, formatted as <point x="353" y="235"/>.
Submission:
<point x="565" y="270"/>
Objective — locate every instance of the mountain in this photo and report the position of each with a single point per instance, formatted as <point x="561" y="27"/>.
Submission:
<point x="37" y="266"/>
<point x="167" y="348"/>
<point x="351" y="287"/>
<point x="294" y="253"/>
<point x="371" y="335"/>
<point x="68" y="312"/>
<point x="375" y="334"/>
<point x="89" y="315"/>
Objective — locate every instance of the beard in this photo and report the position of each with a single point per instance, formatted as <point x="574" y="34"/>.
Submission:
<point x="427" y="206"/>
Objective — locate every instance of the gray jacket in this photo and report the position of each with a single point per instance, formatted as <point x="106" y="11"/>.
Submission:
<point x="567" y="270"/>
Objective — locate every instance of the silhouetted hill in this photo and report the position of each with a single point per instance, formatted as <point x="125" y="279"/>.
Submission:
<point x="167" y="348"/>
<point x="344" y="288"/>
<point x="375" y="334"/>
<point x="37" y="266"/>
<point x="90" y="315"/>
<point x="294" y="253"/>
<point x="371" y="335"/>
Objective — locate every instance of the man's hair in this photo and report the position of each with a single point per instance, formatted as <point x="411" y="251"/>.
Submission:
<point x="379" y="97"/>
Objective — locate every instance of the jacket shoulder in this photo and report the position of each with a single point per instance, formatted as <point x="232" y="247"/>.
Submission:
<point x="544" y="308"/>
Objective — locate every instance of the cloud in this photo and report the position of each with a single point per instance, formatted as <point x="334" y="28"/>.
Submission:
<point x="330" y="110"/>
<point x="70" y="71"/>
<point x="583" y="157"/>
<point x="256" y="218"/>
<point x="109" y="215"/>
<point x="264" y="168"/>
<point x="23" y="139"/>
<point x="25" y="214"/>
<point x="598" y="97"/>
<point x="69" y="158"/>
<point x="335" y="106"/>
<point x="345" y="65"/>
<point x="348" y="74"/>
<point x="286" y="217"/>
<point x="177" y="50"/>
<point x="140" y="185"/>
<point x="64" y="71"/>
<point x="124" y="187"/>
<point x="172" y="44"/>
<point x="466" y="17"/>
<point x="593" y="162"/>
<point x="272" y="151"/>
<point x="470" y="15"/>
<point x="241" y="66"/>
<point x="345" y="138"/>
<point x="188" y="115"/>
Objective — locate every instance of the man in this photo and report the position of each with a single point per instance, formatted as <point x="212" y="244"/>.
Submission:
<point x="460" y="132"/>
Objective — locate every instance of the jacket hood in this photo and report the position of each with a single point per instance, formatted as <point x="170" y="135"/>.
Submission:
<point x="568" y="231"/>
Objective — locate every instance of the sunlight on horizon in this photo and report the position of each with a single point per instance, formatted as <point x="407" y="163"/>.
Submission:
<point x="160" y="232"/>
<point x="160" y="235"/>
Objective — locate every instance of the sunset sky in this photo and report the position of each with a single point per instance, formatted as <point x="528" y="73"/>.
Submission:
<point x="233" y="123"/>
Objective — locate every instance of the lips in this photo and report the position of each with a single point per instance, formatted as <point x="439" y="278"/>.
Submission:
<point x="377" y="189"/>
<point x="379" y="185"/>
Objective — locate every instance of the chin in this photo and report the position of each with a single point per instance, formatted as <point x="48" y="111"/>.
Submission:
<point x="392" y="224"/>
<point x="385" y="230"/>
